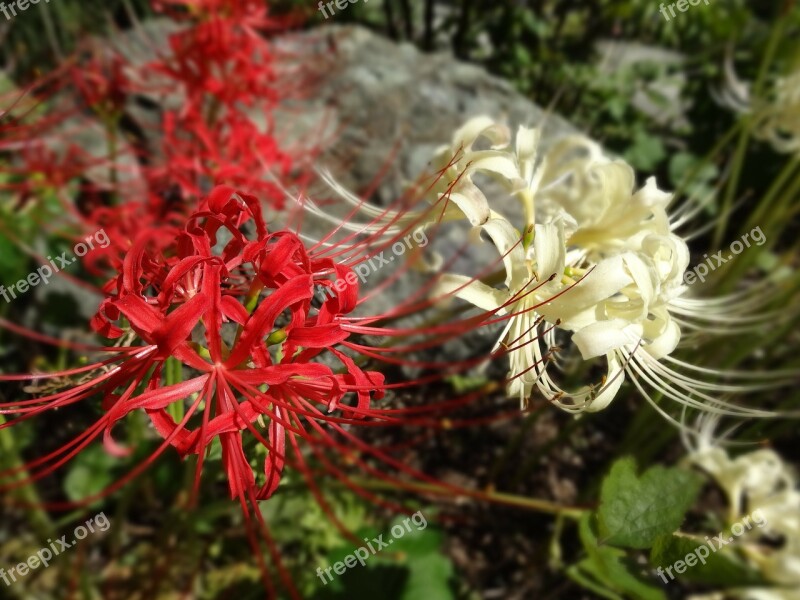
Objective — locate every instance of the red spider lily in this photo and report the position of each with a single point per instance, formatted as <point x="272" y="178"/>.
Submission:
<point x="233" y="151"/>
<point x="38" y="130"/>
<point x="38" y="167"/>
<point x="223" y="66"/>
<point x="102" y="84"/>
<point x="241" y="299"/>
<point x="44" y="158"/>
<point x="122" y="225"/>
<point x="225" y="56"/>
<point x="232" y="303"/>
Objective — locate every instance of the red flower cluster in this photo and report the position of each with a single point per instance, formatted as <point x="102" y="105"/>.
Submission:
<point x="219" y="75"/>
<point x="223" y="67"/>
<point x="235" y="310"/>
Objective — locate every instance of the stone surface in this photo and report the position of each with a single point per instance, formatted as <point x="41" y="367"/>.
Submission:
<point x="376" y="98"/>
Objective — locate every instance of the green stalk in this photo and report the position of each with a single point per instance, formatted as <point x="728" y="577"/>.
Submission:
<point x="718" y="147"/>
<point x="10" y="459"/>
<point x="775" y="202"/>
<point x="733" y="182"/>
<point x="534" y="504"/>
<point x="173" y="374"/>
<point x="741" y="148"/>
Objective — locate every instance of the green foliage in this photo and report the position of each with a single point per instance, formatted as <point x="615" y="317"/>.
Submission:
<point x="548" y="50"/>
<point x="609" y="571"/>
<point x="635" y="510"/>
<point x="43" y="34"/>
<point x="645" y="152"/>
<point x="12" y="261"/>
<point x="412" y="567"/>
<point x="90" y="474"/>
<point x="721" y="569"/>
<point x="694" y="176"/>
<point x="467" y="383"/>
<point x="640" y="512"/>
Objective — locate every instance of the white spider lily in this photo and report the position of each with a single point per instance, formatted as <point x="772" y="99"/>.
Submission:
<point x="617" y="264"/>
<point x="776" y="117"/>
<point x="516" y="171"/>
<point x="533" y="279"/>
<point x="757" y="481"/>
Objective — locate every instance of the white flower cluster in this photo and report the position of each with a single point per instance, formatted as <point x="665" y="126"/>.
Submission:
<point x="761" y="481"/>
<point x="776" y="116"/>
<point x="779" y="122"/>
<point x="595" y="257"/>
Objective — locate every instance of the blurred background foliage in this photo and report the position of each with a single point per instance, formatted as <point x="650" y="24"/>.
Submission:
<point x="564" y="55"/>
<point x="551" y="50"/>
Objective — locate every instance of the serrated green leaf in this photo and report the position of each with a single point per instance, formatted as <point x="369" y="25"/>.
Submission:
<point x="634" y="511"/>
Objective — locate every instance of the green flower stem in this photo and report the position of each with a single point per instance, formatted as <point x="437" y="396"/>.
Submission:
<point x="790" y="169"/>
<point x="173" y="373"/>
<point x="556" y="556"/>
<point x="10" y="459"/>
<point x="709" y="157"/>
<point x="741" y="148"/>
<point x="772" y="216"/>
<point x="534" y="504"/>
<point x="733" y="182"/>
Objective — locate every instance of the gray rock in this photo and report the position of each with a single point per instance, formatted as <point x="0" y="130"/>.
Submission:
<point x="381" y="102"/>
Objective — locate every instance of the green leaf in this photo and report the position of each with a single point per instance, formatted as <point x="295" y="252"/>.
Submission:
<point x="429" y="578"/>
<point x="411" y="567"/>
<point x="608" y="571"/>
<point x="717" y="569"/>
<point x="91" y="473"/>
<point x="645" y="152"/>
<point x="522" y="55"/>
<point x="540" y="27"/>
<point x="635" y="511"/>
<point x="616" y="107"/>
<point x="700" y="185"/>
